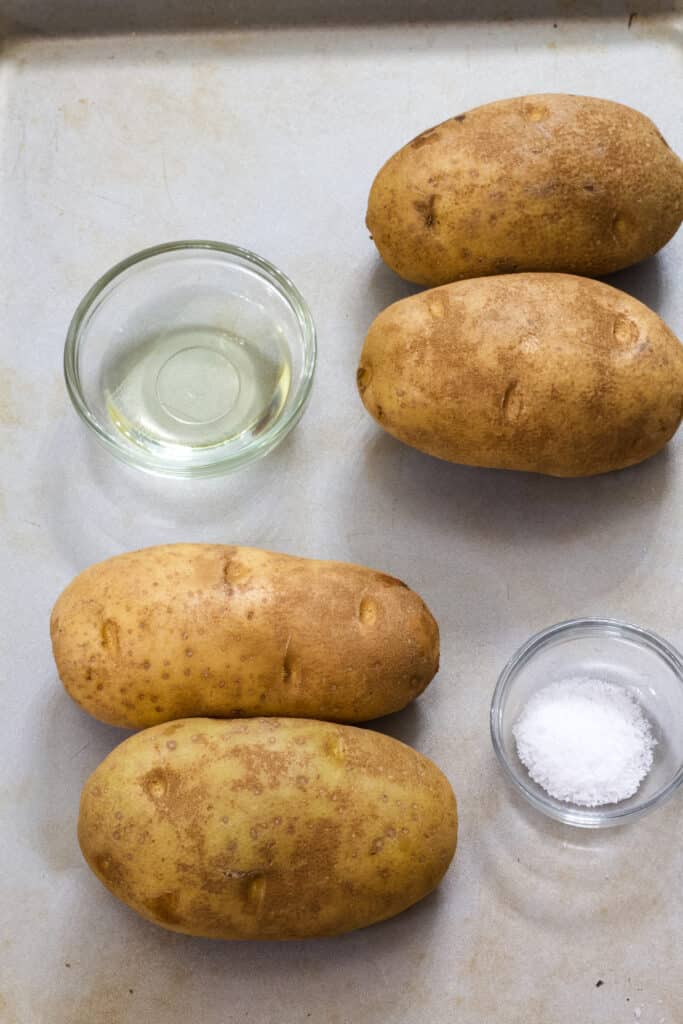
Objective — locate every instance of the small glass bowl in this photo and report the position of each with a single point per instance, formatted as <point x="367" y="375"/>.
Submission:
<point x="618" y="653"/>
<point x="191" y="358"/>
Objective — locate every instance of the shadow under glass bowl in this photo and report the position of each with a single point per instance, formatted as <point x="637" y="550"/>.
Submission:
<point x="618" y="653"/>
<point x="191" y="358"/>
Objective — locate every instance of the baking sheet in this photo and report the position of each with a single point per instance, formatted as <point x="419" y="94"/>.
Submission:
<point x="269" y="137"/>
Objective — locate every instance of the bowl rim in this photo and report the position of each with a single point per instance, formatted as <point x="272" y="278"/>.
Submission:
<point x="573" y="815"/>
<point x="279" y="429"/>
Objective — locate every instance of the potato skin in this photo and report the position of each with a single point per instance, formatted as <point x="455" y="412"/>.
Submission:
<point x="205" y="629"/>
<point x="547" y="373"/>
<point x="266" y="828"/>
<point x="549" y="182"/>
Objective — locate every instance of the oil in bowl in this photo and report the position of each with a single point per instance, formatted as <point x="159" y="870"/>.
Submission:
<point x="197" y="386"/>
<point x="191" y="358"/>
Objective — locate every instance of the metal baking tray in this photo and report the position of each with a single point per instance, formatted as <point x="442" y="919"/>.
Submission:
<point x="123" y="125"/>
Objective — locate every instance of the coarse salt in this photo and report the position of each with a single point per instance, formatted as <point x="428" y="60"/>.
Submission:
<point x="585" y="741"/>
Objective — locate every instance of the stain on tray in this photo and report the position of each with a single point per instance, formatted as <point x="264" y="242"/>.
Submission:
<point x="76" y="114"/>
<point x="9" y="387"/>
<point x="104" y="997"/>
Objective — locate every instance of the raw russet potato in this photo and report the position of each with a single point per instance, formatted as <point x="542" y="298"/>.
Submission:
<point x="205" y="629"/>
<point x="548" y="373"/>
<point x="266" y="828"/>
<point x="548" y="182"/>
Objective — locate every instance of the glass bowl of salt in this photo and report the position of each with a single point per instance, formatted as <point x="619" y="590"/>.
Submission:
<point x="587" y="721"/>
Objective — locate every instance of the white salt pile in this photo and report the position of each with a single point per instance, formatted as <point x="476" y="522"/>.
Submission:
<point x="585" y="741"/>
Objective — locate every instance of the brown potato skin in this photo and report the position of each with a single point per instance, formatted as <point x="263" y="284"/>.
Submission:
<point x="547" y="373"/>
<point x="205" y="629"/>
<point x="548" y="182"/>
<point x="266" y="828"/>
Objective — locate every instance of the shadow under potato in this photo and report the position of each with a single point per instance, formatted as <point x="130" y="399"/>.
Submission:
<point x="506" y="505"/>
<point x="64" y="746"/>
<point x="385" y="287"/>
<point x="496" y="550"/>
<point x="643" y="281"/>
<point x="405" y="725"/>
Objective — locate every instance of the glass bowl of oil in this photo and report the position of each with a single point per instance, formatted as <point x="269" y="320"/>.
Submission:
<point x="191" y="358"/>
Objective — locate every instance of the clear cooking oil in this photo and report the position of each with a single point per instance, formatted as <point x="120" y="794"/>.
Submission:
<point x="197" y="386"/>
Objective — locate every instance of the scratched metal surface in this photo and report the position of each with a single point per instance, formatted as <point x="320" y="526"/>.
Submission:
<point x="269" y="137"/>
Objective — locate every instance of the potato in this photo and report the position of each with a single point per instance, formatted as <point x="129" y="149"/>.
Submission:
<point x="268" y="828"/>
<point x="204" y="629"/>
<point x="549" y="182"/>
<point x="541" y="372"/>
